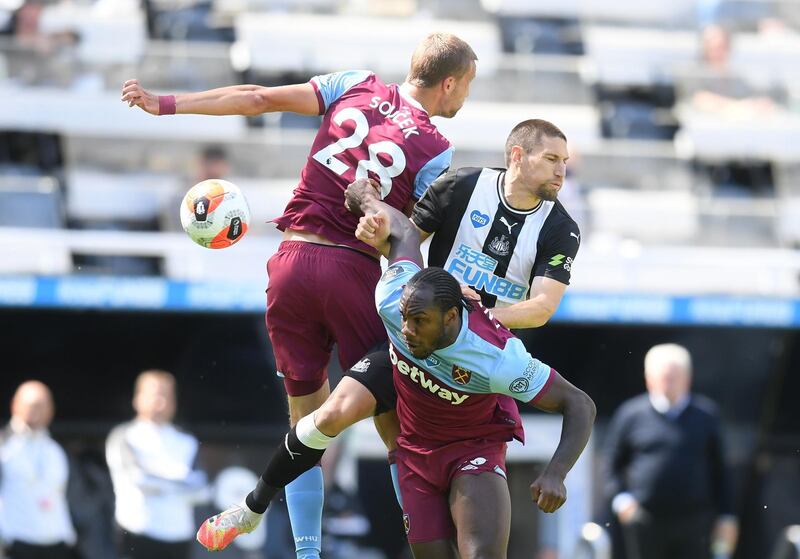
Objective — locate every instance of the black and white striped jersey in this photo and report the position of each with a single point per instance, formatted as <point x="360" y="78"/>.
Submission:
<point x="487" y="244"/>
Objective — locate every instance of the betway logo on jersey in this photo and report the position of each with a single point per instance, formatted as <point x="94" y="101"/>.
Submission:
<point x="476" y="269"/>
<point x="424" y="379"/>
<point x="401" y="117"/>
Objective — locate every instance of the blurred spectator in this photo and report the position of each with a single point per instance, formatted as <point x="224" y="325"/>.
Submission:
<point x="666" y="476"/>
<point x="185" y="20"/>
<point x="152" y="469"/>
<point x="34" y="517"/>
<point x="714" y="87"/>
<point x="35" y="56"/>
<point x="212" y="164"/>
<point x="91" y="501"/>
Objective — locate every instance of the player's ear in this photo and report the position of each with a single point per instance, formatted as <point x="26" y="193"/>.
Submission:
<point x="516" y="153"/>
<point x="452" y="315"/>
<point x="448" y="84"/>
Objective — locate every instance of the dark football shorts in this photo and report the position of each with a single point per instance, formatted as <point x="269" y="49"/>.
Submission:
<point x="425" y="483"/>
<point x="318" y="295"/>
<point x="375" y="372"/>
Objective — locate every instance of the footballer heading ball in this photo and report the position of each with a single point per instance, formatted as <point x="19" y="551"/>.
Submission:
<point x="214" y="213"/>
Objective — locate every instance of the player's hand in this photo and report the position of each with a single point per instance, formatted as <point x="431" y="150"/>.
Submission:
<point x="358" y="191"/>
<point x="549" y="492"/>
<point x="469" y="293"/>
<point x="373" y="229"/>
<point x="135" y="94"/>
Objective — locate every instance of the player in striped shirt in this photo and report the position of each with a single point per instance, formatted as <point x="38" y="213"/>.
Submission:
<point x="454" y="367"/>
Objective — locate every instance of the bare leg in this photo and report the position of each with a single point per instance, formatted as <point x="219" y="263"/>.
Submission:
<point x="481" y="509"/>
<point x="388" y="427"/>
<point x="349" y="403"/>
<point x="301" y="406"/>
<point x="439" y="549"/>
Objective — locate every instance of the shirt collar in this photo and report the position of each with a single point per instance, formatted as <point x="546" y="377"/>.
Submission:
<point x="663" y="406"/>
<point x="403" y="88"/>
<point x="19" y="427"/>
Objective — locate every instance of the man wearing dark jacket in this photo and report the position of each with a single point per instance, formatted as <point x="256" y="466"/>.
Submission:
<point x="666" y="476"/>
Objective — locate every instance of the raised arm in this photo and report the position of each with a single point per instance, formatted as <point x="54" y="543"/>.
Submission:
<point x="362" y="197"/>
<point x="245" y="100"/>
<point x="578" y="411"/>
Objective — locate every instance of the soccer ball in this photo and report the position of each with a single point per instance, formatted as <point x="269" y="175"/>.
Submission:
<point x="214" y="213"/>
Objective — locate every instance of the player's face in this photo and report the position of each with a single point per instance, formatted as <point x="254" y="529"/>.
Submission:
<point x="458" y="93"/>
<point x="670" y="380"/>
<point x="545" y="167"/>
<point x="155" y="400"/>
<point x="34" y="406"/>
<point x="423" y="325"/>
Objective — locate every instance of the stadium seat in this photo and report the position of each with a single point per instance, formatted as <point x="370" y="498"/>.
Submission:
<point x="33" y="251"/>
<point x="110" y="32"/>
<point x="290" y="42"/>
<point x="485" y="125"/>
<point x="658" y="53"/>
<point x="788" y="221"/>
<point x="644" y="215"/>
<point x="767" y="59"/>
<point x="770" y="137"/>
<point x="659" y="12"/>
<point x="103" y="196"/>
<point x="102" y="114"/>
<point x="30" y="202"/>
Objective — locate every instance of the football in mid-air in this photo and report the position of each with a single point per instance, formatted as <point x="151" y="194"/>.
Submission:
<point x="214" y="213"/>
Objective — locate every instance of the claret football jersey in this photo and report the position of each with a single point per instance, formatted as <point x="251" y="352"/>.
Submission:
<point x="369" y="129"/>
<point x="454" y="394"/>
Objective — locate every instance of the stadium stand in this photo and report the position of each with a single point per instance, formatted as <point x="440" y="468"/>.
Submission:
<point x="691" y="212"/>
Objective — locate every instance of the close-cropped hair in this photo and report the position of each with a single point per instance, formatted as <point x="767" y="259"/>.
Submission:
<point x="446" y="289"/>
<point x="158" y="374"/>
<point x="438" y="56"/>
<point x="529" y="133"/>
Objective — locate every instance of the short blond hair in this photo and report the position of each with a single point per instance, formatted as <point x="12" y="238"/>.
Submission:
<point x="438" y="56"/>
<point x="662" y="354"/>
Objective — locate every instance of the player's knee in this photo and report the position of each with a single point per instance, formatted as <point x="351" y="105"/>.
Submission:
<point x="483" y="548"/>
<point x="334" y="416"/>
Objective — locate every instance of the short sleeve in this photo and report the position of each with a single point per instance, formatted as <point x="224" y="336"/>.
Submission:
<point x="390" y="288"/>
<point x="429" y="211"/>
<point x="520" y="375"/>
<point x="556" y="252"/>
<point x="330" y="87"/>
<point x="431" y="171"/>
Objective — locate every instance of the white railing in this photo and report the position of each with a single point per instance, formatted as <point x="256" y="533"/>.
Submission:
<point x="602" y="265"/>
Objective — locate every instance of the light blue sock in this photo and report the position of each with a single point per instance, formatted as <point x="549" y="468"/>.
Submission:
<point x="304" y="499"/>
<point x="396" y="484"/>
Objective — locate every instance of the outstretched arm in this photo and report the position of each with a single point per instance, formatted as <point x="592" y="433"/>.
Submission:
<point x="245" y="100"/>
<point x="579" y="411"/>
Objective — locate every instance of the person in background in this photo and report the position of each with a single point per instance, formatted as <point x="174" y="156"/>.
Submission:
<point x="368" y="128"/>
<point x="152" y="469"/>
<point x="34" y="515"/>
<point x="666" y="476"/>
<point x="212" y="164"/>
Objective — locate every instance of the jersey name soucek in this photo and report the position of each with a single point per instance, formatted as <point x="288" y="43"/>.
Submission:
<point x="490" y="246"/>
<point x="368" y="130"/>
<point x="454" y="393"/>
